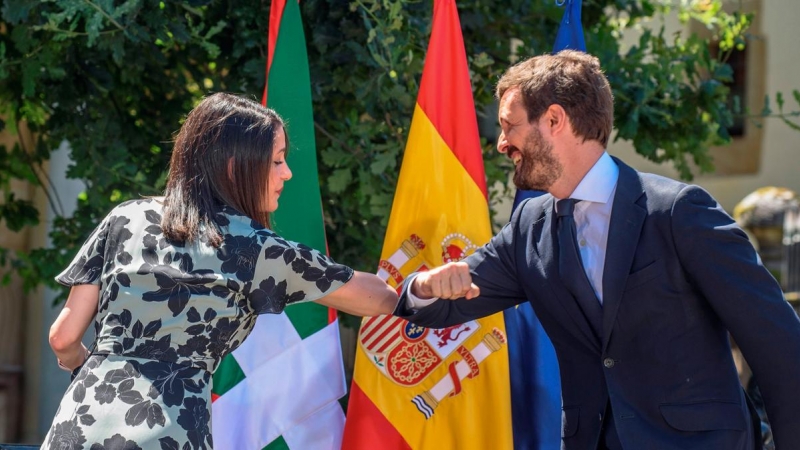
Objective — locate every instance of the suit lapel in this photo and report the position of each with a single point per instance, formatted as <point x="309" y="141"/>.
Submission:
<point x="627" y="218"/>
<point x="562" y="303"/>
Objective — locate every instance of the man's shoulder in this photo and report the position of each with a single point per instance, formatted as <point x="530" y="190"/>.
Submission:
<point x="527" y="213"/>
<point x="662" y="193"/>
<point x="651" y="183"/>
<point x="660" y="184"/>
<point x="631" y="178"/>
<point x="532" y="208"/>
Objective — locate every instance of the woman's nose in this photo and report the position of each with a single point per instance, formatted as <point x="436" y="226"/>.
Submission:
<point x="287" y="173"/>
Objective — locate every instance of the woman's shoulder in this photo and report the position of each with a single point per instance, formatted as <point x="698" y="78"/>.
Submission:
<point x="133" y="214"/>
<point x="138" y="206"/>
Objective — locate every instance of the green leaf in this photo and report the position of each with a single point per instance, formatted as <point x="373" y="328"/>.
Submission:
<point x="382" y="163"/>
<point x="17" y="11"/>
<point x="18" y="213"/>
<point x="219" y="26"/>
<point x="380" y="204"/>
<point x="335" y="157"/>
<point x="482" y="59"/>
<point x="723" y="72"/>
<point x="94" y="24"/>
<point x="339" y="180"/>
<point x="791" y="124"/>
<point x="766" y="110"/>
<point x="30" y="76"/>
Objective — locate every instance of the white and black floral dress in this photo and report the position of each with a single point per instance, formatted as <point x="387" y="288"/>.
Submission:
<point x="167" y="315"/>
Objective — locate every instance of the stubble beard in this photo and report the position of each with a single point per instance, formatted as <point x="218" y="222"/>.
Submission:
<point x="539" y="168"/>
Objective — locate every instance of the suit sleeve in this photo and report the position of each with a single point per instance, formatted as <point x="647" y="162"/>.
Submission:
<point x="725" y="267"/>
<point x="494" y="271"/>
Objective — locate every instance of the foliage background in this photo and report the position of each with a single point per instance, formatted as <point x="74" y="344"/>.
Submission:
<point x="114" y="79"/>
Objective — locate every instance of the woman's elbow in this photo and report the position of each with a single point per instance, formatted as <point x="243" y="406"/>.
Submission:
<point x="60" y="340"/>
<point x="386" y="304"/>
<point x="381" y="299"/>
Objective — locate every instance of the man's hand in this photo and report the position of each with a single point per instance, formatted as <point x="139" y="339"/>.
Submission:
<point x="450" y="281"/>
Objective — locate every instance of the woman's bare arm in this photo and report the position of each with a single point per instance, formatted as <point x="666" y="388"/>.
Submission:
<point x="68" y="329"/>
<point x="364" y="295"/>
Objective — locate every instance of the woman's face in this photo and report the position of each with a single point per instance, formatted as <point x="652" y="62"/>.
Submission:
<point x="279" y="172"/>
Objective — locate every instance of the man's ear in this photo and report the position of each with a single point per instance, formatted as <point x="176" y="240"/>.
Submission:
<point x="555" y="118"/>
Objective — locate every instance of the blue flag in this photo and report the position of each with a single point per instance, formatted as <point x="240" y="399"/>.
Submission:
<point x="570" y="33"/>
<point x="535" y="380"/>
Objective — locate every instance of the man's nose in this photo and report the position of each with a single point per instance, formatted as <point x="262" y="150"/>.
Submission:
<point x="502" y="143"/>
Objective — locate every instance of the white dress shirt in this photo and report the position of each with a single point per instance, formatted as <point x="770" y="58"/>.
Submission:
<point x="592" y="218"/>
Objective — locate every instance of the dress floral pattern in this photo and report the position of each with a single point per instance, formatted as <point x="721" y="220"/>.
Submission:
<point x="168" y="313"/>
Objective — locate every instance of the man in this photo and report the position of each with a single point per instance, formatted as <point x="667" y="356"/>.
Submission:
<point x="636" y="283"/>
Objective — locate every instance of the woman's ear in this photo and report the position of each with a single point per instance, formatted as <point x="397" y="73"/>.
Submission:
<point x="230" y="169"/>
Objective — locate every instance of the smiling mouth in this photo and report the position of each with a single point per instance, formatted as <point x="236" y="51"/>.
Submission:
<point x="515" y="156"/>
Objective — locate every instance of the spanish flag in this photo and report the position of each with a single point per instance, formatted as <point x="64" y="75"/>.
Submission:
<point x="416" y="387"/>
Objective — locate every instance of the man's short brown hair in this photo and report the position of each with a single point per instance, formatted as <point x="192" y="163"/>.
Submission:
<point x="568" y="78"/>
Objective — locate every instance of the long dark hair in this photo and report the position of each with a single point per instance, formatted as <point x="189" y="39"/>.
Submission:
<point x="222" y="156"/>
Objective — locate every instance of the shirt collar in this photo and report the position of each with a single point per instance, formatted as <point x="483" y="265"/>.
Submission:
<point x="599" y="183"/>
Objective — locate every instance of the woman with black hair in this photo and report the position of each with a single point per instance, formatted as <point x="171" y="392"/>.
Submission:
<point x="174" y="284"/>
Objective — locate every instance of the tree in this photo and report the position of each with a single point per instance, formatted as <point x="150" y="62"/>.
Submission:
<point x="114" y="79"/>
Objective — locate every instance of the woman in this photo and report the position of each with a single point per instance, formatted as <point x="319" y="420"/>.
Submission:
<point x="175" y="284"/>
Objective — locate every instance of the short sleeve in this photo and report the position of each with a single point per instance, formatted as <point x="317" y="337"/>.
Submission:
<point x="87" y="265"/>
<point x="288" y="272"/>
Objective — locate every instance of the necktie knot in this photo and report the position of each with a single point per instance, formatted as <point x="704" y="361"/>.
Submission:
<point x="565" y="207"/>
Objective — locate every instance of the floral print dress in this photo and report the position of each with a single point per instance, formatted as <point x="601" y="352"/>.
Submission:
<point x="168" y="313"/>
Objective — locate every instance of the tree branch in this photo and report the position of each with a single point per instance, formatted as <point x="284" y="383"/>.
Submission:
<point x="49" y="192"/>
<point x="337" y="140"/>
<point x="110" y="19"/>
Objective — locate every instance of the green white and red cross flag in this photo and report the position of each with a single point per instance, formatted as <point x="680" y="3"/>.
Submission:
<point x="280" y="389"/>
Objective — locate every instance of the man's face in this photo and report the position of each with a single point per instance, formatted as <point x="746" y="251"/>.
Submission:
<point x="535" y="165"/>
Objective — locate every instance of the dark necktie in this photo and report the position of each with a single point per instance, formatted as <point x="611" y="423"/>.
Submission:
<point x="570" y="266"/>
